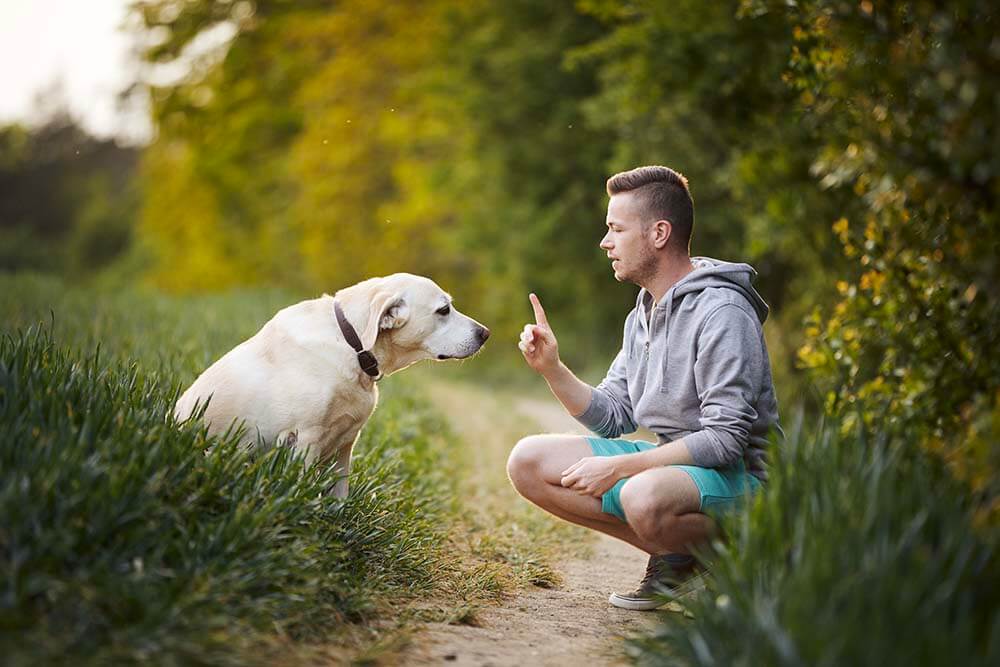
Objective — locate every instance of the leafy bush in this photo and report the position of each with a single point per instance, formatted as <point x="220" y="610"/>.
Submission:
<point x="902" y="91"/>
<point x="858" y="553"/>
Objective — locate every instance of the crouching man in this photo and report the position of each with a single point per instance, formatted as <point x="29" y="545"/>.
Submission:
<point x="693" y="369"/>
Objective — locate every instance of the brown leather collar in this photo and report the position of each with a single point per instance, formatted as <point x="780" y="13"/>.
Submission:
<point x="367" y="360"/>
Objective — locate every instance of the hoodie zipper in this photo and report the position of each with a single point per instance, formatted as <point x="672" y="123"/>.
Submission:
<point x="649" y="330"/>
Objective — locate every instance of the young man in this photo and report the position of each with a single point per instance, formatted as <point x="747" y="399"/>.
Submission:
<point x="693" y="369"/>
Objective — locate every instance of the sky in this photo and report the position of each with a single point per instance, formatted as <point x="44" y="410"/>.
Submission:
<point x="78" y="43"/>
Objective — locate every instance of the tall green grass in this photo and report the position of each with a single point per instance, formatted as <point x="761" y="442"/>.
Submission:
<point x="859" y="552"/>
<point x="126" y="537"/>
<point x="178" y="336"/>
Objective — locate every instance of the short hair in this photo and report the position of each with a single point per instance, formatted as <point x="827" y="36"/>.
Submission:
<point x="663" y="195"/>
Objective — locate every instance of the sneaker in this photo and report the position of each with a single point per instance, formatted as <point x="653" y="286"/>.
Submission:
<point x="660" y="583"/>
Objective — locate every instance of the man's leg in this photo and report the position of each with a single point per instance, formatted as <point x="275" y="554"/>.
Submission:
<point x="535" y="468"/>
<point x="662" y="507"/>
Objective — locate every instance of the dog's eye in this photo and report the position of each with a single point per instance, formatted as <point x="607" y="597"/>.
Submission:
<point x="443" y="310"/>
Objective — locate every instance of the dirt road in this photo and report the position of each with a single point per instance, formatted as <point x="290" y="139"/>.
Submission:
<point x="571" y="624"/>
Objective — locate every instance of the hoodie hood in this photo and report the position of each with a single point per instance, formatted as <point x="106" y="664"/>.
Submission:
<point x="710" y="272"/>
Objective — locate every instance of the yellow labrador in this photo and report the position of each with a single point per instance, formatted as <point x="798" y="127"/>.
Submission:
<point x="307" y="379"/>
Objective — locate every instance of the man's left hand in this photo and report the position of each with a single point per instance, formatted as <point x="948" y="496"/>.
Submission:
<point x="593" y="475"/>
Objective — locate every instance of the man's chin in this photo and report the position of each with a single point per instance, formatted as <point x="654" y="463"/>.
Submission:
<point x="625" y="278"/>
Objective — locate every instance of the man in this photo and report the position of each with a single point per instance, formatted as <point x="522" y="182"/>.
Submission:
<point x="693" y="369"/>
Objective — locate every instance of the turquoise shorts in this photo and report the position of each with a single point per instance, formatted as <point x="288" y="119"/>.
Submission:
<point x="721" y="489"/>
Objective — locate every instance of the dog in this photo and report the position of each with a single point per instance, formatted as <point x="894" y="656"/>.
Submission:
<point x="308" y="378"/>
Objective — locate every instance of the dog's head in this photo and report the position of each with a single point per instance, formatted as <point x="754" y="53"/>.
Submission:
<point x="411" y="318"/>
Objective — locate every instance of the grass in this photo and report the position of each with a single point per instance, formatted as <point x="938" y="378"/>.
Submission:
<point x="862" y="551"/>
<point x="129" y="538"/>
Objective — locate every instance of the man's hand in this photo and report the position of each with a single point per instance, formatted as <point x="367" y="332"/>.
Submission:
<point x="593" y="475"/>
<point x="538" y="343"/>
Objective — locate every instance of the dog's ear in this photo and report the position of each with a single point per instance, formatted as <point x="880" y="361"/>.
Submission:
<point x="387" y="310"/>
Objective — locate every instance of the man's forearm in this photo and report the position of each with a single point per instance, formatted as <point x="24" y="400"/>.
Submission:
<point x="571" y="391"/>
<point x="671" y="453"/>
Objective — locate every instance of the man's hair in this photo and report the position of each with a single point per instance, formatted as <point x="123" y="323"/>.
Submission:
<point x="663" y="195"/>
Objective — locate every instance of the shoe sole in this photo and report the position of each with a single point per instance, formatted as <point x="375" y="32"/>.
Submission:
<point x="636" y="604"/>
<point x="689" y="586"/>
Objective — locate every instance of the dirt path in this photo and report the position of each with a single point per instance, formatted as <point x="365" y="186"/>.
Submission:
<point x="570" y="624"/>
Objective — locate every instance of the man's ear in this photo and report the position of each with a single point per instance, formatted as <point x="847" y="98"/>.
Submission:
<point x="386" y="310"/>
<point x="661" y="233"/>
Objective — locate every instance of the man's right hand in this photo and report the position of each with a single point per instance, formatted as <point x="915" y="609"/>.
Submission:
<point x="538" y="343"/>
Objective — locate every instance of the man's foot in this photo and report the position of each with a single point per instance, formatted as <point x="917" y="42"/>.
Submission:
<point x="663" y="580"/>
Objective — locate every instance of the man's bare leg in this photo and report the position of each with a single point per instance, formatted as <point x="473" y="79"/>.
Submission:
<point x="662" y="507"/>
<point x="535" y="468"/>
<point x="661" y="504"/>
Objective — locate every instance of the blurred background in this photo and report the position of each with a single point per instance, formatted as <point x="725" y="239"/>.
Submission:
<point x="847" y="150"/>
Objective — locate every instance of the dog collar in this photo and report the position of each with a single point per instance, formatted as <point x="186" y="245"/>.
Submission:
<point x="367" y="360"/>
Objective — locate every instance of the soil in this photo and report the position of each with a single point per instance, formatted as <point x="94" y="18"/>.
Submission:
<point x="570" y="624"/>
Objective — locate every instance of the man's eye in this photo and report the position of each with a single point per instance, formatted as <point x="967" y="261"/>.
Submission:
<point x="443" y="310"/>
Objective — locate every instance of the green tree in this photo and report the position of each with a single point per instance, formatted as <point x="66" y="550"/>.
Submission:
<point x="317" y="149"/>
<point x="700" y="87"/>
<point x="67" y="200"/>
<point x="530" y="188"/>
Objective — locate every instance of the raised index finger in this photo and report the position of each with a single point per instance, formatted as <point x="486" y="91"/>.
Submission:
<point x="539" y="311"/>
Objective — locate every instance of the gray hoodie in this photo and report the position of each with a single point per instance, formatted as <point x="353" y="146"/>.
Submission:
<point x="696" y="369"/>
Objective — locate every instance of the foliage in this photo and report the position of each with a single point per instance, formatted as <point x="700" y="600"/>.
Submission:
<point x="66" y="198"/>
<point x="122" y="540"/>
<point x="904" y="94"/>
<point x="173" y="336"/>
<point x="529" y="219"/>
<point x="299" y="145"/>
<point x="860" y="552"/>
<point x="335" y="143"/>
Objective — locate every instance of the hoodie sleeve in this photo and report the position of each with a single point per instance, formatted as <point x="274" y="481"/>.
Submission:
<point x="609" y="414"/>
<point x="727" y="375"/>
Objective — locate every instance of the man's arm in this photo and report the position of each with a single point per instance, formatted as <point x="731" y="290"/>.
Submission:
<point x="606" y="409"/>
<point x="673" y="453"/>
<point x="594" y="475"/>
<point x="571" y="391"/>
<point x="541" y="350"/>
<point x="727" y="374"/>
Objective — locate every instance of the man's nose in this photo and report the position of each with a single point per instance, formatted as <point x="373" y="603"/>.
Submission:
<point x="605" y="242"/>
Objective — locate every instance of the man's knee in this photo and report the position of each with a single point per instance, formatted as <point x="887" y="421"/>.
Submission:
<point x="524" y="464"/>
<point x="648" y="512"/>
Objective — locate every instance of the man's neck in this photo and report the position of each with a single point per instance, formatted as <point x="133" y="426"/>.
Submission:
<point x="669" y="275"/>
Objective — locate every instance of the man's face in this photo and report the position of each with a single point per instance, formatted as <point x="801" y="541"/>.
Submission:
<point x="628" y="244"/>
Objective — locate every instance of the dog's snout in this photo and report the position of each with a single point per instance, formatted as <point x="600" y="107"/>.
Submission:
<point x="483" y="334"/>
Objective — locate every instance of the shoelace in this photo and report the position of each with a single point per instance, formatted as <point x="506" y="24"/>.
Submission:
<point x="659" y="570"/>
<point x="654" y="571"/>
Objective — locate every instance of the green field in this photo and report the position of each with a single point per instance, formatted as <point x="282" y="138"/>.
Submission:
<point x="127" y="537"/>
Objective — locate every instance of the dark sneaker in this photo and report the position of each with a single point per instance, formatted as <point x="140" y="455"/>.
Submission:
<point x="660" y="583"/>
